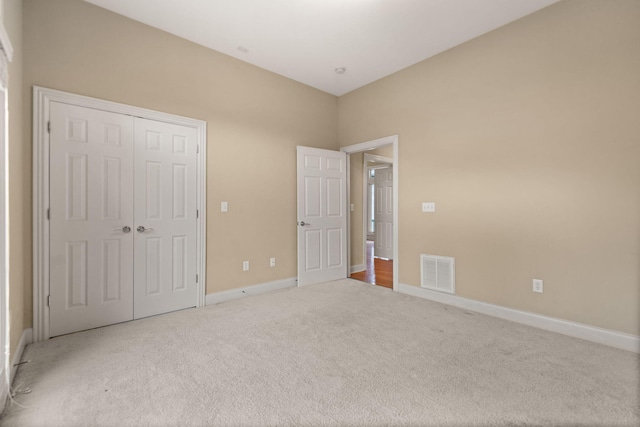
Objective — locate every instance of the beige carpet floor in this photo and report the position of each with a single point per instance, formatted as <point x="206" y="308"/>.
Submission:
<point x="340" y="353"/>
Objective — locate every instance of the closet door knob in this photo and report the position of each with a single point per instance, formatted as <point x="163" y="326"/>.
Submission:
<point x="142" y="229"/>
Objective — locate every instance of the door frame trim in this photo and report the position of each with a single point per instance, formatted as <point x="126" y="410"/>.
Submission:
<point x="42" y="97"/>
<point x="5" y="331"/>
<point x="366" y="146"/>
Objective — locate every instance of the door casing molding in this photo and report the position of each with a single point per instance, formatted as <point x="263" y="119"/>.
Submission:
<point x="42" y="97"/>
<point x="5" y="332"/>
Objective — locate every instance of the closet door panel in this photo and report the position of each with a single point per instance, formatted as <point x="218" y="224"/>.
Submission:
<point x="91" y="201"/>
<point x="165" y="217"/>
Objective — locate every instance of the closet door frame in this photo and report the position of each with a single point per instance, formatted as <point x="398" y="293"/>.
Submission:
<point x="42" y="97"/>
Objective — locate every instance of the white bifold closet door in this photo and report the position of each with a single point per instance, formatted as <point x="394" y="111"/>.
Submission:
<point x="122" y="218"/>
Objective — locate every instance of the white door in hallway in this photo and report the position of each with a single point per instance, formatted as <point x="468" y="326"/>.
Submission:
<point x="165" y="217"/>
<point x="384" y="213"/>
<point x="91" y="216"/>
<point x="322" y="215"/>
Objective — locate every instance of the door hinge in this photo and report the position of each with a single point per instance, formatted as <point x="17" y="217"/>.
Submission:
<point x="48" y="300"/>
<point x="197" y="214"/>
<point x="197" y="149"/>
<point x="196" y="278"/>
<point x="49" y="127"/>
<point x="48" y="213"/>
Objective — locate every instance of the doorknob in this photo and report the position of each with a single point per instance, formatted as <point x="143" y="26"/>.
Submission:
<point x="142" y="229"/>
<point x="304" y="224"/>
<point x="124" y="229"/>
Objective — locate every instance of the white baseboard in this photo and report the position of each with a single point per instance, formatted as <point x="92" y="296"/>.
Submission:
<point x="357" y="268"/>
<point x="25" y="340"/>
<point x="218" y="297"/>
<point x="574" y="329"/>
<point x="5" y="384"/>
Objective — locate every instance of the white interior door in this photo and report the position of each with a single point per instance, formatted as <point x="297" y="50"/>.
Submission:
<point x="165" y="217"/>
<point x="91" y="248"/>
<point x="370" y="188"/>
<point x="384" y="213"/>
<point x="122" y="189"/>
<point x="322" y="215"/>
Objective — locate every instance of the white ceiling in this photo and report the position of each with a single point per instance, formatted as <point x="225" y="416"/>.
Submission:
<point x="306" y="40"/>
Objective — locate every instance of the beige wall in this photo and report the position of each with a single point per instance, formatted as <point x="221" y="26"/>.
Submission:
<point x="384" y="151"/>
<point x="527" y="140"/>
<point x="19" y="185"/>
<point x="255" y="120"/>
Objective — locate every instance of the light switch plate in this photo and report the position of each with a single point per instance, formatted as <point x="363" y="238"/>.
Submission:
<point x="538" y="285"/>
<point x="224" y="206"/>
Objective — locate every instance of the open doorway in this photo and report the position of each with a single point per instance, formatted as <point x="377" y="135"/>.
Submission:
<point x="373" y="211"/>
<point x="377" y="206"/>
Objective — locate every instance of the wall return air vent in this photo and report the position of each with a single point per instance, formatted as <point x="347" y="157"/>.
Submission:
<point x="438" y="273"/>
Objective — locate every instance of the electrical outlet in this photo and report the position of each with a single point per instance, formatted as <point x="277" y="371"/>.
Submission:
<point x="272" y="262"/>
<point x="428" y="207"/>
<point x="537" y="285"/>
<point x="245" y="265"/>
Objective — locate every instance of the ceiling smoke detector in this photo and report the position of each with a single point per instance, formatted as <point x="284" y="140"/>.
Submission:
<point x="340" y="70"/>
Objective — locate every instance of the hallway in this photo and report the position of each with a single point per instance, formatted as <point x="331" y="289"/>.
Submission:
<point x="378" y="271"/>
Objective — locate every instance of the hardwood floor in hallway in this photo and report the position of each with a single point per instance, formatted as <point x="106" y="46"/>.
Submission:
<point x="378" y="271"/>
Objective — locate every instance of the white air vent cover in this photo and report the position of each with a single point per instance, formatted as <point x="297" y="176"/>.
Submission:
<point x="438" y="273"/>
